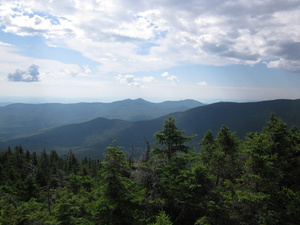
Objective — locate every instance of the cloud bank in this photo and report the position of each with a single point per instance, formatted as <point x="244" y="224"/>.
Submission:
<point x="29" y="75"/>
<point x="130" y="36"/>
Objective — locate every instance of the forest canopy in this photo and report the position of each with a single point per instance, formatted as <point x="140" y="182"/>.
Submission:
<point x="225" y="181"/>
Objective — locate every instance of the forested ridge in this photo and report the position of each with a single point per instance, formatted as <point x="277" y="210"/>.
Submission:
<point x="21" y="119"/>
<point x="90" y="138"/>
<point x="226" y="180"/>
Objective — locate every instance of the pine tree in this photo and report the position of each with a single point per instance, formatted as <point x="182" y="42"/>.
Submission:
<point x="118" y="197"/>
<point x="170" y="140"/>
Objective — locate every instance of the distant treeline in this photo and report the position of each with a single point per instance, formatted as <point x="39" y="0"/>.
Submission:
<point x="228" y="181"/>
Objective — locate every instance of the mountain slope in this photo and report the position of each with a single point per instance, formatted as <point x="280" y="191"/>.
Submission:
<point x="91" y="138"/>
<point x="239" y="117"/>
<point x="24" y="119"/>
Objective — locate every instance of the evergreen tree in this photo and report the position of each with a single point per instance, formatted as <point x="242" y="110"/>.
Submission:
<point x="255" y="181"/>
<point x="118" y="198"/>
<point x="171" y="169"/>
<point x="162" y="219"/>
<point x="170" y="140"/>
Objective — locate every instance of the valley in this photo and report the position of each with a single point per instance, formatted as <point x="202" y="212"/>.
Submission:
<point x="80" y="128"/>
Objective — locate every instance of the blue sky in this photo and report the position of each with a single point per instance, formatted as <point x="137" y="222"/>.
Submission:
<point x="99" y="50"/>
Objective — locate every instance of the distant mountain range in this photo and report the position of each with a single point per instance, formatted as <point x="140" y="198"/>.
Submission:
<point x="26" y="119"/>
<point x="90" y="138"/>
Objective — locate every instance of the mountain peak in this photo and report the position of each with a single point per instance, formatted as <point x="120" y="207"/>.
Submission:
<point x="129" y="100"/>
<point x="140" y="100"/>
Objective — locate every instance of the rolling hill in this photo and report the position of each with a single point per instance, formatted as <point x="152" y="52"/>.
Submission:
<point x="25" y="119"/>
<point x="90" y="138"/>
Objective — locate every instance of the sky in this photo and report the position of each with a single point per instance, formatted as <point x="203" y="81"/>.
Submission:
<point x="108" y="50"/>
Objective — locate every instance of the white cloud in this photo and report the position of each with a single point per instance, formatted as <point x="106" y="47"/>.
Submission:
<point x="170" y="77"/>
<point x="131" y="80"/>
<point x="148" y="79"/>
<point x="18" y="67"/>
<point x="127" y="79"/>
<point x="199" y="32"/>
<point x="202" y="83"/>
<point x="287" y="65"/>
<point x="29" y="75"/>
<point x="5" y="44"/>
<point x="165" y="74"/>
<point x="25" y="19"/>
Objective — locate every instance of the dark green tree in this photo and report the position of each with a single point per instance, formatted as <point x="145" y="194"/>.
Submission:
<point x="265" y="193"/>
<point x="118" y="198"/>
<point x="162" y="219"/>
<point x="223" y="162"/>
<point x="171" y="168"/>
<point x="170" y="140"/>
<point x="221" y="155"/>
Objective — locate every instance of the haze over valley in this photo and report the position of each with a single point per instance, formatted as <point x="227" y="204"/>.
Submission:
<point x="88" y="128"/>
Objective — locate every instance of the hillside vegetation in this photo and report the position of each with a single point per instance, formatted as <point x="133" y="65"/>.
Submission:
<point x="91" y="137"/>
<point x="26" y="119"/>
<point x="229" y="181"/>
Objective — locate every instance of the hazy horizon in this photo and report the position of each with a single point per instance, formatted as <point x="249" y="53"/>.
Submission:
<point x="7" y="101"/>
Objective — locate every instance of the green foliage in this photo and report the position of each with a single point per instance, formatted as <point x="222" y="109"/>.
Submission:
<point x="33" y="188"/>
<point x="229" y="181"/>
<point x="162" y="219"/>
<point x="170" y="140"/>
<point x="117" y="197"/>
